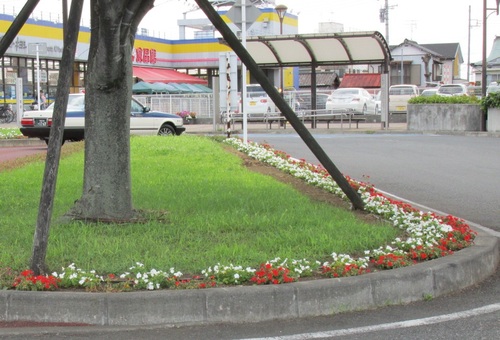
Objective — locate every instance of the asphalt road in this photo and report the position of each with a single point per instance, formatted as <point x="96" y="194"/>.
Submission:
<point x="453" y="174"/>
<point x="458" y="175"/>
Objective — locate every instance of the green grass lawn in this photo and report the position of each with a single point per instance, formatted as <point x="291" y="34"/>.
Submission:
<point x="216" y="211"/>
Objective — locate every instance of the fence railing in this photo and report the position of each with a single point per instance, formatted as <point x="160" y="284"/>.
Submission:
<point x="201" y="104"/>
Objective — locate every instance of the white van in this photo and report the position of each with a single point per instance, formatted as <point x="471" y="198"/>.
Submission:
<point x="399" y="96"/>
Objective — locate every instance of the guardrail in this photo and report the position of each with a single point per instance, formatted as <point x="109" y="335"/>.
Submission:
<point x="313" y="116"/>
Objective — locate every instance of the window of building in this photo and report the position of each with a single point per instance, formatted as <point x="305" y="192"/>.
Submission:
<point x="437" y="72"/>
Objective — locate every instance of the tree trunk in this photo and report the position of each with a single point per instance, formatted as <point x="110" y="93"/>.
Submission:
<point x="107" y="192"/>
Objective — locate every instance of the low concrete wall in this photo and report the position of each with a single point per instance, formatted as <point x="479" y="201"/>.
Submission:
<point x="493" y="122"/>
<point x="445" y="117"/>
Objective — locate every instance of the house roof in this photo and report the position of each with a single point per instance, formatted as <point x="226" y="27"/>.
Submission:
<point x="322" y="79"/>
<point x="494" y="56"/>
<point x="446" y="51"/>
<point x="364" y="80"/>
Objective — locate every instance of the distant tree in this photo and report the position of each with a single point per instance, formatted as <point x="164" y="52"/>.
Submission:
<point x="106" y="192"/>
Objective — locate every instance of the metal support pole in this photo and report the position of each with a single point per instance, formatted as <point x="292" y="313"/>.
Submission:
<point x="16" y="25"/>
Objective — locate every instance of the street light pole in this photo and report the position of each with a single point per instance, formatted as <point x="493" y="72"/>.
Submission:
<point x="281" y="10"/>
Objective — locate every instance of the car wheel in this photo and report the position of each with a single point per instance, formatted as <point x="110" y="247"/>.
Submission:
<point x="166" y="130"/>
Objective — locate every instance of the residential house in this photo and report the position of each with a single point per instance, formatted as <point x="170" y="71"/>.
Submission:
<point x="492" y="64"/>
<point x="425" y="64"/>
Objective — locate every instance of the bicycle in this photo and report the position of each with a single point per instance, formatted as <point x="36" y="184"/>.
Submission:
<point x="6" y="114"/>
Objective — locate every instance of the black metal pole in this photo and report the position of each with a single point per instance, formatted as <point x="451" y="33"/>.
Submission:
<point x="280" y="102"/>
<point x="65" y="15"/>
<point x="16" y="25"/>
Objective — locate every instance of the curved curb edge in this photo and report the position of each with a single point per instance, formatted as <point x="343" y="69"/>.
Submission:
<point x="260" y="303"/>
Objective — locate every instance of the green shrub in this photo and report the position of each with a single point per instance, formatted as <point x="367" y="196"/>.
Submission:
<point x="436" y="99"/>
<point x="491" y="100"/>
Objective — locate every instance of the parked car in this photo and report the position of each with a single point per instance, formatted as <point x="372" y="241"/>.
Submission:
<point x="356" y="99"/>
<point x="303" y="101"/>
<point x="37" y="124"/>
<point x="493" y="88"/>
<point x="378" y="103"/>
<point x="429" y="92"/>
<point x="399" y="95"/>
<point x="448" y="90"/>
<point x="257" y="102"/>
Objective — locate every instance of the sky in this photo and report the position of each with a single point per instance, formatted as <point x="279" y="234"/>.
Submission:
<point x="424" y="21"/>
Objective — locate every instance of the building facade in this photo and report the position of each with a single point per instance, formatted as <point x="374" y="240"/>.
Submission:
<point x="35" y="54"/>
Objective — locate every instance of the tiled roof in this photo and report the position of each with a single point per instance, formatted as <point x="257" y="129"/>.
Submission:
<point x="364" y="80"/>
<point x="449" y="50"/>
<point x="323" y="79"/>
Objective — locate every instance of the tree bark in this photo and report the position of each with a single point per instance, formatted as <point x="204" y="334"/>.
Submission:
<point x="107" y="192"/>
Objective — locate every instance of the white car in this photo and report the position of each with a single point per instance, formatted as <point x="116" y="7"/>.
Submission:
<point x="351" y="99"/>
<point x="378" y="103"/>
<point x="257" y="102"/>
<point x="448" y="90"/>
<point x="493" y="88"/>
<point x="399" y="95"/>
<point x="37" y="124"/>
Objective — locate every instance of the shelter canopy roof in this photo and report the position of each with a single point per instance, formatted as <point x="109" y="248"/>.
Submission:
<point x="319" y="49"/>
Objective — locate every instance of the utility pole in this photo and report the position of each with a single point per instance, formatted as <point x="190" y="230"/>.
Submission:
<point x="468" y="43"/>
<point x="384" y="18"/>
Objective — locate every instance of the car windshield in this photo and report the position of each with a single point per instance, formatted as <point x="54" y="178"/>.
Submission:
<point x="75" y="103"/>
<point x="136" y="107"/>
<point x="401" y="91"/>
<point x="450" y="89"/>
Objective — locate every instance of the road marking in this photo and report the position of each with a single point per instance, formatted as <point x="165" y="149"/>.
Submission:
<point x="393" y="325"/>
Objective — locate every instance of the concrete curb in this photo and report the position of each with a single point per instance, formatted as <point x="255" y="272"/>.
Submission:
<point x="260" y="303"/>
<point x="21" y="142"/>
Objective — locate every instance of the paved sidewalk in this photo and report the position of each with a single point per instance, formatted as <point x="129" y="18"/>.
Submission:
<point x="254" y="127"/>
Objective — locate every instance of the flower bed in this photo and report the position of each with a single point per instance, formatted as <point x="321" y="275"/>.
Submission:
<point x="427" y="236"/>
<point x="9" y="133"/>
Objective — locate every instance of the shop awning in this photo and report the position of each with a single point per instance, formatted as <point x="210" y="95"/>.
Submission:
<point x="162" y="75"/>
